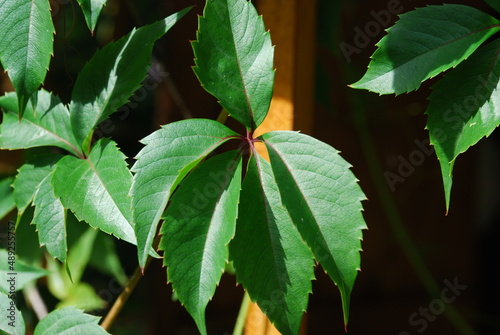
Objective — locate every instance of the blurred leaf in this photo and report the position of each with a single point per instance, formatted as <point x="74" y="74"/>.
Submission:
<point x="198" y="225"/>
<point x="13" y="267"/>
<point x="495" y="4"/>
<point x="26" y="40"/>
<point x="424" y="43"/>
<point x="233" y="50"/>
<point x="105" y="258"/>
<point x="12" y="322"/>
<point x="82" y="296"/>
<point x="6" y="197"/>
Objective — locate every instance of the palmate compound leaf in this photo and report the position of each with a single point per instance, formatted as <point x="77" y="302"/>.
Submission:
<point x="26" y="40"/>
<point x="423" y="43"/>
<point x="272" y="262"/>
<point x="32" y="184"/>
<point x="169" y="155"/>
<point x="96" y="189"/>
<point x="464" y="107"/>
<point x="67" y="321"/>
<point x="48" y="125"/>
<point x="198" y="225"/>
<point x="91" y="10"/>
<point x="323" y="199"/>
<point x="112" y="75"/>
<point x="234" y="51"/>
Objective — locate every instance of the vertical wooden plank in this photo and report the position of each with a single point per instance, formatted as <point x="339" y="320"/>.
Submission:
<point x="292" y="24"/>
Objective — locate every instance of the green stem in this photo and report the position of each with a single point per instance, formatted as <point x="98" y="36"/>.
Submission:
<point x="242" y="315"/>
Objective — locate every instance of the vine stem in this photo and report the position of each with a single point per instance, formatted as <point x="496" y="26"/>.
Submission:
<point x="115" y="310"/>
<point x="242" y="315"/>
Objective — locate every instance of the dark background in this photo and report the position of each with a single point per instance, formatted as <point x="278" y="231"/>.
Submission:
<point x="410" y="241"/>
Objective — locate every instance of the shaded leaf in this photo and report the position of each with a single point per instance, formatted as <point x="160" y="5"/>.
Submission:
<point x="464" y="107"/>
<point x="423" y="43"/>
<point x="112" y="75"/>
<point x="272" y="262"/>
<point x="96" y="189"/>
<point x="495" y="4"/>
<point x="170" y="153"/>
<point x="105" y="258"/>
<point x="323" y="199"/>
<point x="12" y="322"/>
<point x="234" y="51"/>
<point x="91" y="10"/>
<point x="199" y="223"/>
<point x="48" y="125"/>
<point x="13" y="267"/>
<point x="67" y="321"/>
<point x="26" y="40"/>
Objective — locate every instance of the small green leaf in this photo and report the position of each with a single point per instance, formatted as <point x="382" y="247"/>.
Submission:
<point x="96" y="189"/>
<point x="29" y="178"/>
<point x="48" y="125"/>
<point x="50" y="219"/>
<point x="464" y="108"/>
<point x="233" y="50"/>
<point x="68" y="321"/>
<point x="6" y="197"/>
<point x="15" y="273"/>
<point x="26" y="40"/>
<point x="82" y="295"/>
<point x="199" y="223"/>
<point x="105" y="258"/>
<point x="272" y="262"/>
<point x="12" y="322"/>
<point x="91" y="10"/>
<point x="113" y="74"/>
<point x="170" y="153"/>
<point x="424" y="43"/>
<point x="324" y="201"/>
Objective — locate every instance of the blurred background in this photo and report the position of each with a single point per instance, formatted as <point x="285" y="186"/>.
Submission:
<point x="412" y="251"/>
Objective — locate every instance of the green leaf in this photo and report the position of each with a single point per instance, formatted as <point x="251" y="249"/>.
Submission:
<point x="91" y="10"/>
<point x="26" y="40"/>
<point x="233" y="50"/>
<point x="170" y="153"/>
<point x="272" y="262"/>
<point x="12" y="322"/>
<point x="423" y="43"/>
<point x="464" y="108"/>
<point x="324" y="201"/>
<point x="113" y="74"/>
<point x="50" y="219"/>
<point x="199" y="223"/>
<point x="105" y="258"/>
<point x="13" y="267"/>
<point x="29" y="178"/>
<point x="82" y="295"/>
<point x="68" y="321"/>
<point x="96" y="189"/>
<point x="48" y="125"/>
<point x="6" y="197"/>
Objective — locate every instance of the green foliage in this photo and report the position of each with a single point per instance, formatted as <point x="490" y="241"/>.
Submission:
<point x="302" y="206"/>
<point x="7" y="204"/>
<point x="13" y="314"/>
<point x="25" y="45"/>
<point x="464" y="104"/>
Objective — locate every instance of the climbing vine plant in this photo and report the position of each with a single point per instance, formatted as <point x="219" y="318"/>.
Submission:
<point x="200" y="209"/>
